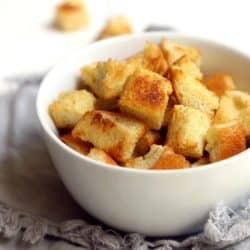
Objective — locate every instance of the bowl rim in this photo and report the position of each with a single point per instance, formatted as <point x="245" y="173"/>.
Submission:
<point x="144" y="35"/>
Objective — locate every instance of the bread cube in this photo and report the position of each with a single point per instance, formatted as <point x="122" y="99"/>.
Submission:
<point x="70" y="105"/>
<point x="187" y="131"/>
<point x="190" y="92"/>
<point x="114" y="133"/>
<point x="225" y="140"/>
<point x="169" y="111"/>
<point x="76" y="144"/>
<point x="72" y="15"/>
<point x="144" y="144"/>
<point x="89" y="74"/>
<point x="100" y="155"/>
<point x="173" y="51"/>
<point x="219" y="83"/>
<point x="145" y="96"/>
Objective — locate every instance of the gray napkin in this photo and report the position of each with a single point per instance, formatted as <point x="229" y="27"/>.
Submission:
<point x="36" y="209"/>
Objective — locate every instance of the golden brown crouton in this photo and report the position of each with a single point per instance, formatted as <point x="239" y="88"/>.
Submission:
<point x="187" y="131"/>
<point x="72" y="15"/>
<point x="100" y="155"/>
<point x="151" y="58"/>
<point x="190" y="92"/>
<point x="76" y="144"/>
<point x="169" y="111"/>
<point x="115" y="26"/>
<point x="145" y="96"/>
<point x="114" y="133"/>
<point x="70" y="106"/>
<point x="110" y="76"/>
<point x="219" y="83"/>
<point x="173" y="51"/>
<point x="89" y="74"/>
<point x="225" y="140"/>
<point x="159" y="157"/>
<point x="144" y="144"/>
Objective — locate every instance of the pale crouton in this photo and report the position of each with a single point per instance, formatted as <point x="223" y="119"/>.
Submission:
<point x="151" y="58"/>
<point x="114" y="133"/>
<point x="234" y="105"/>
<point x="173" y="51"/>
<point x="100" y="155"/>
<point x="68" y="108"/>
<point x="202" y="161"/>
<point x="144" y="144"/>
<point x="159" y="157"/>
<point x="190" y="92"/>
<point x="145" y="96"/>
<point x="219" y="83"/>
<point x="76" y="144"/>
<point x="187" y="131"/>
<point x="89" y="74"/>
<point x="110" y="76"/>
<point x="115" y="26"/>
<point x="225" y="140"/>
<point x="72" y="15"/>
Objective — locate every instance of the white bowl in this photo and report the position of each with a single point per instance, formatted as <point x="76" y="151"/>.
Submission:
<point x="151" y="202"/>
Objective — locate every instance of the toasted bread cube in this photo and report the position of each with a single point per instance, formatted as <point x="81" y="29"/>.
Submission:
<point x="225" y="140"/>
<point x="187" y="131"/>
<point x="114" y="133"/>
<point x="202" y="161"/>
<point x="159" y="157"/>
<point x="144" y="144"/>
<point x="169" y="111"/>
<point x="76" y="144"/>
<point x="68" y="108"/>
<point x="72" y="15"/>
<point x="100" y="155"/>
<point x="151" y="58"/>
<point x="89" y="74"/>
<point x="190" y="92"/>
<point x="115" y="26"/>
<point x="245" y="119"/>
<point x="189" y="67"/>
<point x="173" y="52"/>
<point x="219" y="83"/>
<point x="145" y="96"/>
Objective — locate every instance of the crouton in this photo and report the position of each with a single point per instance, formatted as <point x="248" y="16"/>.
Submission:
<point x="115" y="26"/>
<point x="187" y="131"/>
<point x="202" y="161"/>
<point x="67" y="109"/>
<point x="72" y="15"/>
<point x="169" y="111"/>
<point x="89" y="74"/>
<point x="219" y="83"/>
<point x="159" y="157"/>
<point x="144" y="144"/>
<point x="225" y="140"/>
<point x="234" y="105"/>
<point x="191" y="92"/>
<point x="114" y="133"/>
<point x="110" y="76"/>
<point x="99" y="155"/>
<point x="173" y="51"/>
<point x="145" y="96"/>
<point x="151" y="58"/>
<point x="76" y="144"/>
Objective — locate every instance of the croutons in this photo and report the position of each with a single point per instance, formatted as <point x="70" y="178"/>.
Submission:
<point x="76" y="144"/>
<point x="234" y="105"/>
<point x="144" y="144"/>
<point x="72" y="15"/>
<point x="67" y="109"/>
<point x="187" y="131"/>
<point x="190" y="92"/>
<point x="115" y="26"/>
<point x="151" y="58"/>
<point x="99" y="155"/>
<point x="173" y="52"/>
<point x="114" y="133"/>
<point x="225" y="140"/>
<point x="159" y="157"/>
<point x="145" y="96"/>
<point x="110" y="76"/>
<point x="219" y="83"/>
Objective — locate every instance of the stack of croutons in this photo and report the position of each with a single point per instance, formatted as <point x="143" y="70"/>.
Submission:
<point x="154" y="110"/>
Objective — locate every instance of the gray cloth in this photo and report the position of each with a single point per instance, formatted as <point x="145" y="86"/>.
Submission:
<point x="35" y="204"/>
